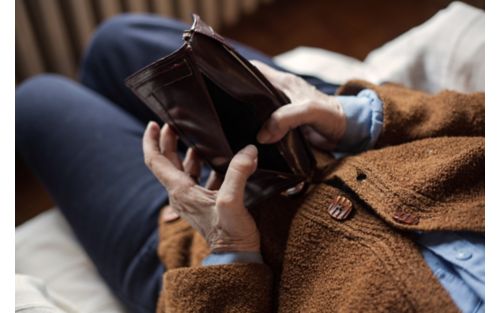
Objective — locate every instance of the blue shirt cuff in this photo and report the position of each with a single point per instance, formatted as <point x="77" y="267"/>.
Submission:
<point x="232" y="257"/>
<point x="364" y="115"/>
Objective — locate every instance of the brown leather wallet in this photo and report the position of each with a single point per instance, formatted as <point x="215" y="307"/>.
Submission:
<point x="216" y="101"/>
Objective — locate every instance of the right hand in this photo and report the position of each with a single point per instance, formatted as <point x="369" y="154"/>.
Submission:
<point x="216" y="211"/>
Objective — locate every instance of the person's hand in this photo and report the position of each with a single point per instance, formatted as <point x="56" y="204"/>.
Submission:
<point x="216" y="210"/>
<point x="322" y="114"/>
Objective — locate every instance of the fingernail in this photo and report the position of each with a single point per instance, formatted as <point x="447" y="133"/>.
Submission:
<point x="263" y="137"/>
<point x="251" y="150"/>
<point x="151" y="127"/>
<point x="170" y="129"/>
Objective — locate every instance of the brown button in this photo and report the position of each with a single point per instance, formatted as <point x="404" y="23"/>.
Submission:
<point x="340" y="208"/>
<point x="405" y="218"/>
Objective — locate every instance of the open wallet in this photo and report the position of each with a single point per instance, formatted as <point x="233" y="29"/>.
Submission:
<point x="216" y="102"/>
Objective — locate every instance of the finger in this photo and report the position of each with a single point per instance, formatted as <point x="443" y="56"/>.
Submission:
<point x="232" y="190"/>
<point x="214" y="181"/>
<point x="166" y="172"/>
<point x="284" y="119"/>
<point x="168" y="214"/>
<point x="277" y="78"/>
<point x="150" y="140"/>
<point x="168" y="145"/>
<point x="319" y="141"/>
<point x="192" y="164"/>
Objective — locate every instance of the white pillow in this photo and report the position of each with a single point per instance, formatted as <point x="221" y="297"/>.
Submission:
<point x="47" y="249"/>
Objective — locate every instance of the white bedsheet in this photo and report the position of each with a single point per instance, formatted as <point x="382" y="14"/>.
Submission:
<point x="56" y="271"/>
<point x="446" y="52"/>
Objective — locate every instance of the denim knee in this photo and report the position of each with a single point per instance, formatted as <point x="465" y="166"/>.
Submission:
<point x="42" y="83"/>
<point x="37" y="106"/>
<point x="31" y="94"/>
<point x="108" y="37"/>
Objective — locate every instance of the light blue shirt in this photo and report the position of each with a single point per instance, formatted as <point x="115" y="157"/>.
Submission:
<point x="455" y="258"/>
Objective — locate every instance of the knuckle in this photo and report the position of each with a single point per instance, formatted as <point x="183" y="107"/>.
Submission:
<point x="225" y="200"/>
<point x="311" y="106"/>
<point x="277" y="120"/>
<point x="311" y="111"/>
<point x="155" y="164"/>
<point x="287" y="117"/>
<point x="241" y="166"/>
<point x="149" y="160"/>
<point x="176" y="194"/>
<point x="288" y="79"/>
<point x="277" y="115"/>
<point x="242" y="163"/>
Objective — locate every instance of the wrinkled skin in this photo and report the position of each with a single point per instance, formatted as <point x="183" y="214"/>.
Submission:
<point x="216" y="210"/>
<point x="320" y="114"/>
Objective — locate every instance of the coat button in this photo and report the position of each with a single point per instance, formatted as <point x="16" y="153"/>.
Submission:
<point x="340" y="208"/>
<point x="405" y="218"/>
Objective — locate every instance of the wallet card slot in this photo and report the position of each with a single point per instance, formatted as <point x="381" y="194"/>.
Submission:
<point x="174" y="73"/>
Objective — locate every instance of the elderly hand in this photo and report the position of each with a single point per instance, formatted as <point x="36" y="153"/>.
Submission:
<point x="219" y="215"/>
<point x="322" y="114"/>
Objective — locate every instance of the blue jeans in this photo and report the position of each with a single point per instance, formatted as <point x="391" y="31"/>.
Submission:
<point x="84" y="143"/>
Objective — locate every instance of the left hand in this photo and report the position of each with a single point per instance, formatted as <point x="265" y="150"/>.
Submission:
<point x="321" y="114"/>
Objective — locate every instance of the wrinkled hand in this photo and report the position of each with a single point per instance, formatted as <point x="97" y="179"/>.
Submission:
<point x="219" y="215"/>
<point x="322" y="114"/>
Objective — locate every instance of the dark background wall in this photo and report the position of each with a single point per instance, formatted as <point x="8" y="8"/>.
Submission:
<point x="353" y="28"/>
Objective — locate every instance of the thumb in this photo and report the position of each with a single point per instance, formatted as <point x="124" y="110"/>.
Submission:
<point x="232" y="190"/>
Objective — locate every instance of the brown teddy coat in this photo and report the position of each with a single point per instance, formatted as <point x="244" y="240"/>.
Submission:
<point x="425" y="174"/>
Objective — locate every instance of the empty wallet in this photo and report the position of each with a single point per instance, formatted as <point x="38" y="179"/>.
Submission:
<point x="216" y="102"/>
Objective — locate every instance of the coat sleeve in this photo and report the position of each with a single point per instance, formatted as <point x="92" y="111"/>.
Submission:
<point x="410" y="115"/>
<point x="189" y="287"/>
<point x="238" y="287"/>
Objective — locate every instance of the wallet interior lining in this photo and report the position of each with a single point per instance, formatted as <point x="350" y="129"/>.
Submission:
<point x="240" y="126"/>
